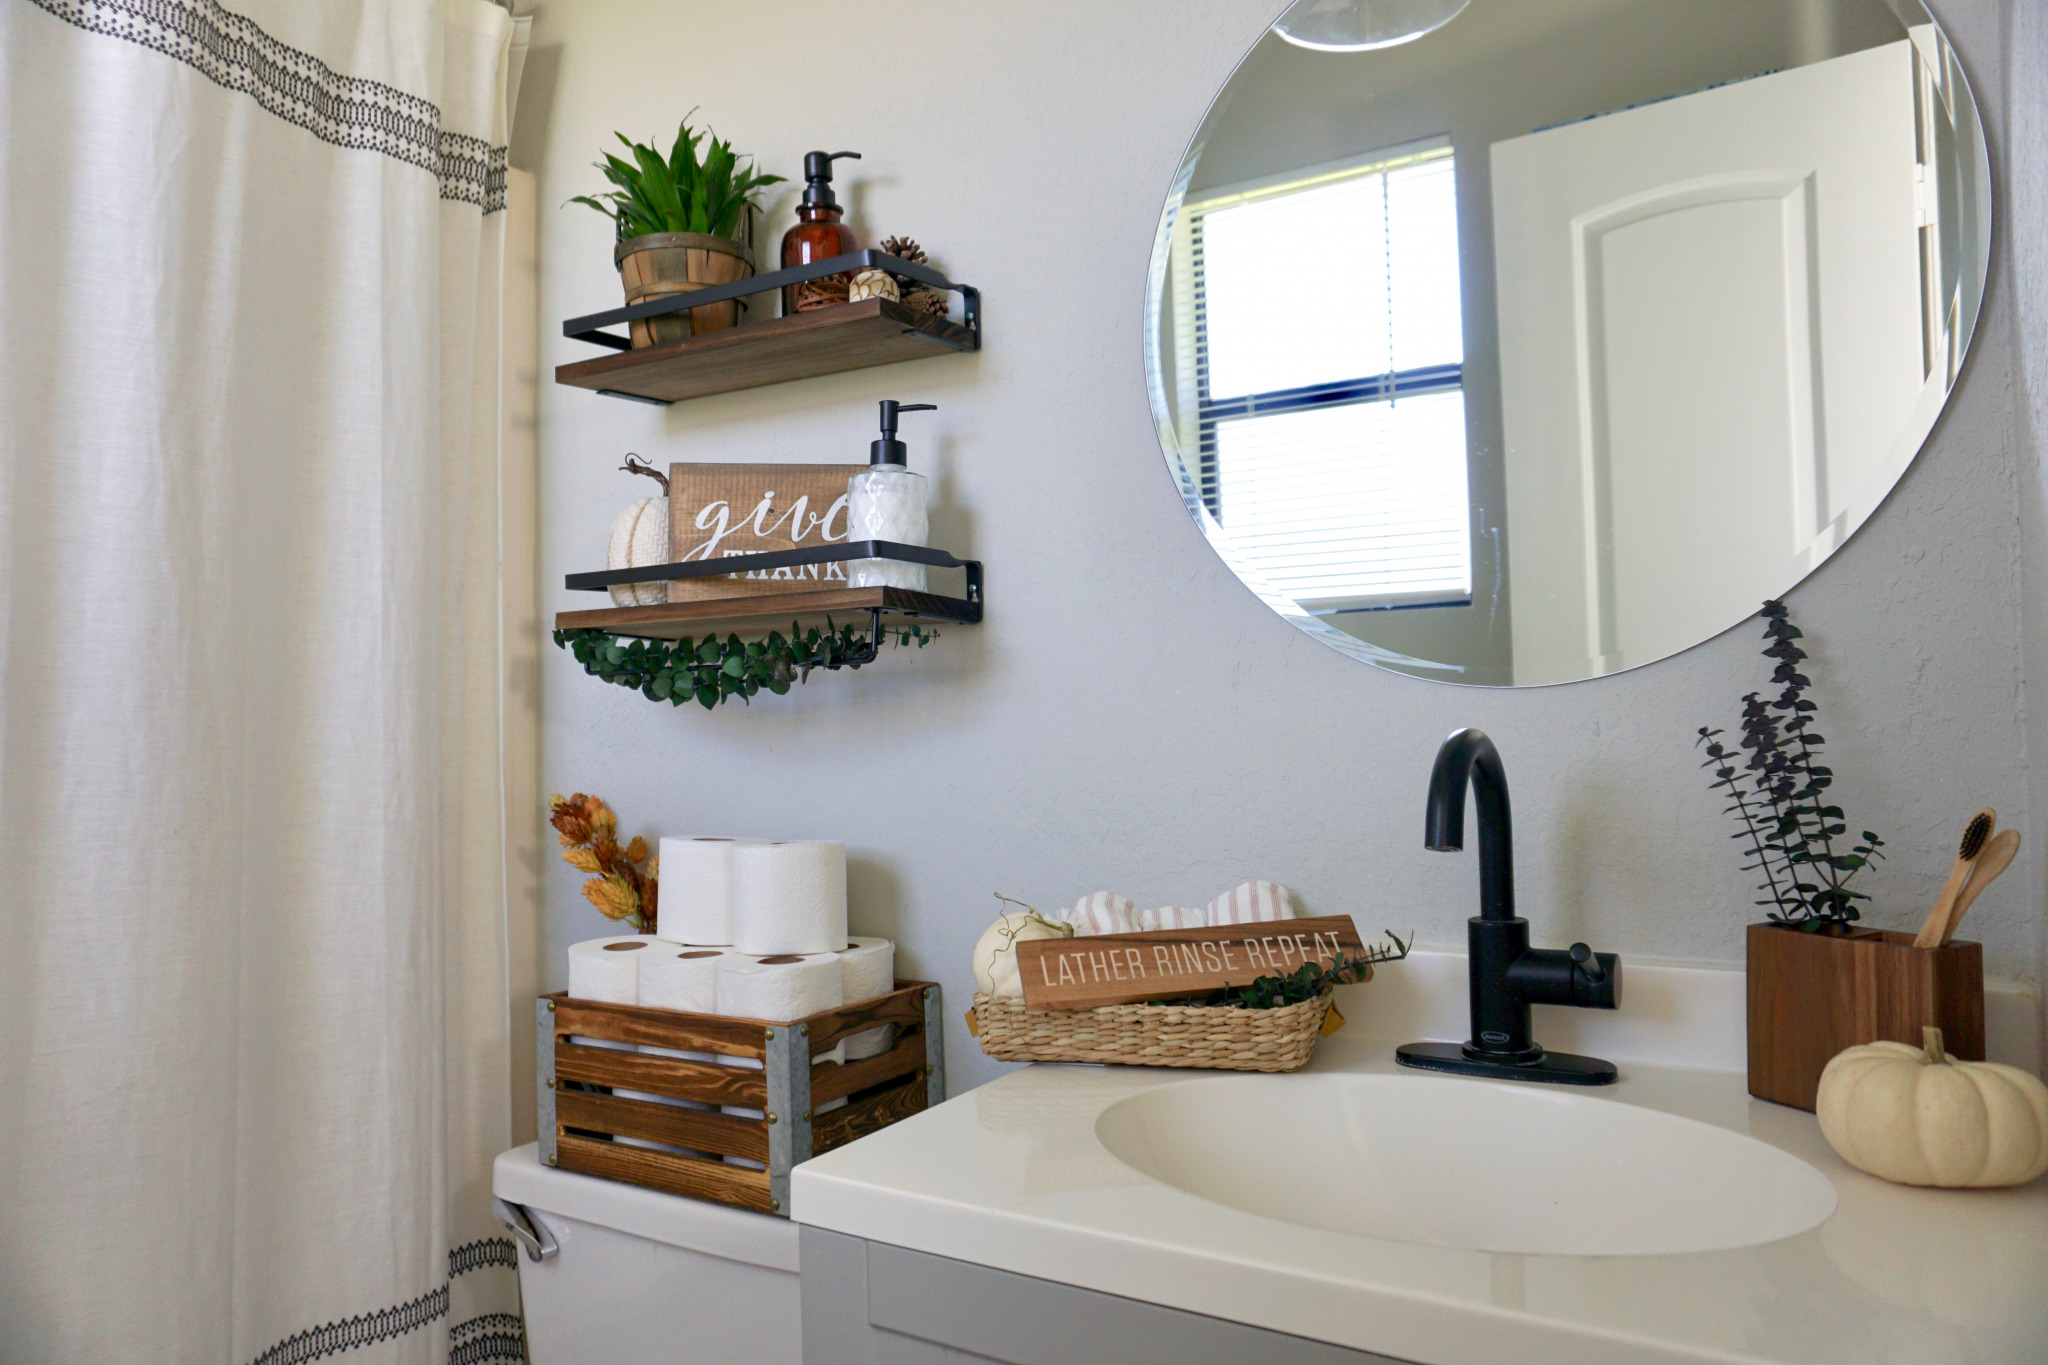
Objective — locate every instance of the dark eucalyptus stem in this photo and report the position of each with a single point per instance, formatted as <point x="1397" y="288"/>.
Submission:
<point x="1785" y="816"/>
<point x="1752" y="813"/>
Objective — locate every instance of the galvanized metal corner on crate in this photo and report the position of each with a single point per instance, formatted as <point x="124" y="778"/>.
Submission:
<point x="788" y="1119"/>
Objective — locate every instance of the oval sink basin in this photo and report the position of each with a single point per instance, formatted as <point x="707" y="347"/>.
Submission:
<point x="1482" y="1165"/>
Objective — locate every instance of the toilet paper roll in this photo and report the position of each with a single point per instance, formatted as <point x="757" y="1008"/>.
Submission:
<point x="607" y="969"/>
<point x="779" y="987"/>
<point x="674" y="977"/>
<point x="789" y="897"/>
<point x="696" y="889"/>
<point x="867" y="969"/>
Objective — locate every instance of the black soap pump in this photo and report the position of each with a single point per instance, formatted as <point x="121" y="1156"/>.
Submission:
<point x="819" y="235"/>
<point x="886" y="501"/>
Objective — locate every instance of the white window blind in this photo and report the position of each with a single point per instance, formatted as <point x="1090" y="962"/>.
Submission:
<point x="1329" y="366"/>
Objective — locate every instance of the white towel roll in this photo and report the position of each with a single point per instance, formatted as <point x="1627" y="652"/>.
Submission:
<point x="867" y="969"/>
<point x="607" y="969"/>
<point x="1102" y="913"/>
<point x="696" y="889"/>
<point x="789" y="897"/>
<point x="1165" y="917"/>
<point x="1253" y="902"/>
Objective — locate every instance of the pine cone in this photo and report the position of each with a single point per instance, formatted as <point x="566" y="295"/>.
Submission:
<point x="928" y="302"/>
<point x="904" y="249"/>
<point x="916" y="295"/>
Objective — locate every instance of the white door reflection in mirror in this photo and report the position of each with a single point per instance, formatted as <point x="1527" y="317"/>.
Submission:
<point x="1710" y="330"/>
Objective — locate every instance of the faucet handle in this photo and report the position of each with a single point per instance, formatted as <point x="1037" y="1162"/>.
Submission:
<point x="1588" y="961"/>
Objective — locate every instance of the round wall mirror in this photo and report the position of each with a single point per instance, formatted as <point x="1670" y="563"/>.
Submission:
<point x="1549" y="337"/>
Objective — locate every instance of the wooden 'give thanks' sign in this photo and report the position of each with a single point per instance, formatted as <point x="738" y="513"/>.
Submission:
<point x="1123" y="969"/>
<point x="716" y="511"/>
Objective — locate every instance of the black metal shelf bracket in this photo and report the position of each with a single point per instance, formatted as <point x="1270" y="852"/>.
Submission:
<point x="590" y="327"/>
<point x="790" y="559"/>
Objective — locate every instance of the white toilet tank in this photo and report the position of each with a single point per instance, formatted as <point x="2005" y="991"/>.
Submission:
<point x="642" y="1277"/>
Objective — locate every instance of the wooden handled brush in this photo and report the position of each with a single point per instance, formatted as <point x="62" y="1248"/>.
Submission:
<point x="1940" y="921"/>
<point x="1996" y="857"/>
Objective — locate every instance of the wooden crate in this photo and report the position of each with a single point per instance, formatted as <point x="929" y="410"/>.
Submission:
<point x="1811" y="995"/>
<point x="582" y="1115"/>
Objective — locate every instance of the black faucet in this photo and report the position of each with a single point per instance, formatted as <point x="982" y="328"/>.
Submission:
<point x="1507" y="975"/>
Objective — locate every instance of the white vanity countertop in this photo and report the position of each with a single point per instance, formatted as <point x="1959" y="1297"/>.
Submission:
<point x="1013" y="1176"/>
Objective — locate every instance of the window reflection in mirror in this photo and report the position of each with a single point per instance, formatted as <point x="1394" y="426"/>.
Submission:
<point x="1332" y="435"/>
<point x="1549" y="344"/>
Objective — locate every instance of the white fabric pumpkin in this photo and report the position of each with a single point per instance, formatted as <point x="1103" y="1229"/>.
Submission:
<point x="1918" y="1116"/>
<point x="639" y="538"/>
<point x="995" y="957"/>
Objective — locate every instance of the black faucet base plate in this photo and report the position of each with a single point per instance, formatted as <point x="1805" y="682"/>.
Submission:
<point x="1557" y="1068"/>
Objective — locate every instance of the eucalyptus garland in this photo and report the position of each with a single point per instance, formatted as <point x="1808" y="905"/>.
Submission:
<point x="709" y="670"/>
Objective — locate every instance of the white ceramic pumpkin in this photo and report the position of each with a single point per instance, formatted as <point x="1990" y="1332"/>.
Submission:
<point x="1918" y="1116"/>
<point x="639" y="539"/>
<point x="995" y="957"/>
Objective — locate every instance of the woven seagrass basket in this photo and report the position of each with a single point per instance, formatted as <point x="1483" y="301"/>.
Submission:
<point x="1221" y="1038"/>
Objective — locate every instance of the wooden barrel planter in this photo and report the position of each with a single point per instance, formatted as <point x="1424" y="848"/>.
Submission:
<point x="661" y="264"/>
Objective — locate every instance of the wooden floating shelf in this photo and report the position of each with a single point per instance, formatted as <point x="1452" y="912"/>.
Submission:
<point x="720" y="616"/>
<point x="848" y="336"/>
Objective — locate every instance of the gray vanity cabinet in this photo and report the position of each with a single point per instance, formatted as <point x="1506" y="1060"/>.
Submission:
<point x="869" y="1303"/>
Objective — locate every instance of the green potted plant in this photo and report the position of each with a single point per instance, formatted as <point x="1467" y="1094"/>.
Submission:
<point x="683" y="223"/>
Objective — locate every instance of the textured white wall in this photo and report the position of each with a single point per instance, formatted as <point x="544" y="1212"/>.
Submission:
<point x="1130" y="717"/>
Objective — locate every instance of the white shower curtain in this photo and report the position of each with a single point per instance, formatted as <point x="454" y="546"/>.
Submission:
<point x="253" y="986"/>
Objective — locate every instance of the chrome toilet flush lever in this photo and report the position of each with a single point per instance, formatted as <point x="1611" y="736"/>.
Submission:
<point x="1507" y="975"/>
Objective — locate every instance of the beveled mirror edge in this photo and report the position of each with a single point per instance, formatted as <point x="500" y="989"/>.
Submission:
<point x="1926" y="413"/>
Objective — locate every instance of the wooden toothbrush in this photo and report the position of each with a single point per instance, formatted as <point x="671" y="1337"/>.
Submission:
<point x="1939" y="921"/>
<point x="1996" y="856"/>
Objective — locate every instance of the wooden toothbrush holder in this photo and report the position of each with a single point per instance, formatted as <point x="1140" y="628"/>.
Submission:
<point x="1811" y="995"/>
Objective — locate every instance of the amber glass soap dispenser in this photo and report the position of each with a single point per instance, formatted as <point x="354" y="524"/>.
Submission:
<point x="886" y="501"/>
<point x="819" y="235"/>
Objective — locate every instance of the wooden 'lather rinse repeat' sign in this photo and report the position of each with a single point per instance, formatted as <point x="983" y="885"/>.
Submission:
<point x="1122" y="969"/>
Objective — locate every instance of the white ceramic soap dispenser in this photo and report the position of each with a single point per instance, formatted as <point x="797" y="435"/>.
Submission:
<point x="886" y="501"/>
